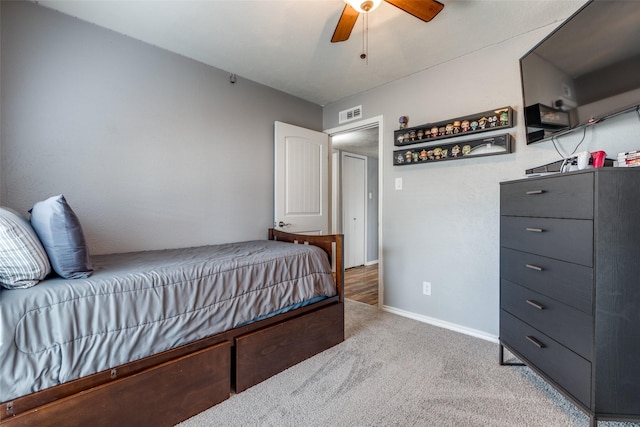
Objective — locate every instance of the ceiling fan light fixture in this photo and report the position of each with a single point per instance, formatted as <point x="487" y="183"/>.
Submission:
<point x="363" y="6"/>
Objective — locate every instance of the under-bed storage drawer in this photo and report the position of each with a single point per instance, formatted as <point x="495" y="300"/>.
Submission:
<point x="266" y="352"/>
<point x="566" y="368"/>
<point x="163" y="395"/>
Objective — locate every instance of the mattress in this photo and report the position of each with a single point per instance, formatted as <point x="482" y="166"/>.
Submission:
<point x="138" y="304"/>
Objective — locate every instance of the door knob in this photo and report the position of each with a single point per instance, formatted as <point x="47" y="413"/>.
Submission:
<point x="283" y="224"/>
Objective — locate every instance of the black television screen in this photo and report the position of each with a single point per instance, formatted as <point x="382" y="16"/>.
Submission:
<point x="584" y="71"/>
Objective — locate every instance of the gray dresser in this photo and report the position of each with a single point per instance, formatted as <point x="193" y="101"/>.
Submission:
<point x="570" y="285"/>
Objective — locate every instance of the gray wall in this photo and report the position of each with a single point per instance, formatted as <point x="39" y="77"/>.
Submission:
<point x="151" y="149"/>
<point x="443" y="227"/>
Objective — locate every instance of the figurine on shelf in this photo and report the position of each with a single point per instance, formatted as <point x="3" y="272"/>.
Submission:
<point x="455" y="150"/>
<point x="404" y="121"/>
<point x="400" y="139"/>
<point x="466" y="149"/>
<point x="504" y="118"/>
<point x="456" y="126"/>
<point x="464" y="126"/>
<point x="399" y="158"/>
<point x="437" y="153"/>
<point x="408" y="155"/>
<point x="448" y="129"/>
<point x="441" y="131"/>
<point x="420" y="133"/>
<point x="482" y="123"/>
<point x="493" y="121"/>
<point x="434" y="132"/>
<point x="416" y="155"/>
<point x="424" y="156"/>
<point x="412" y="134"/>
<point x="474" y="125"/>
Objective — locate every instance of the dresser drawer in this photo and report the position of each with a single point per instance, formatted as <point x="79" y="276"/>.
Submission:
<point x="561" y="365"/>
<point x="566" y="282"/>
<point x="565" y="196"/>
<point x="564" y="239"/>
<point x="570" y="327"/>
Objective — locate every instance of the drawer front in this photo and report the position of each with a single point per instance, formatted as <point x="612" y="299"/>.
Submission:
<point x="570" y="327"/>
<point x="561" y="365"/>
<point x="564" y="239"/>
<point x="569" y="283"/>
<point x="566" y="196"/>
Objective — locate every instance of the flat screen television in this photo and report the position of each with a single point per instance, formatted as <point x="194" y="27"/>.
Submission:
<point x="586" y="70"/>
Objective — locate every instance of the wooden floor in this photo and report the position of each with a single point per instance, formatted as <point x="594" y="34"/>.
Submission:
<point x="361" y="284"/>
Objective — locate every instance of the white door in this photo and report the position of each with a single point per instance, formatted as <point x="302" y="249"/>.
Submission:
<point x="301" y="171"/>
<point x="354" y="208"/>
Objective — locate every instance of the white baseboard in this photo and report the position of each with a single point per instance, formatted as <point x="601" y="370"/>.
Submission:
<point x="443" y="324"/>
<point x="368" y="263"/>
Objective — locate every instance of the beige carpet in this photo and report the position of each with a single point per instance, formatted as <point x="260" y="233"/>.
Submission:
<point x="394" y="371"/>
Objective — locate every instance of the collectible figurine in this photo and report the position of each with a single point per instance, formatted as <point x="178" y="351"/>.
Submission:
<point x="434" y="131"/>
<point x="482" y="123"/>
<point x="409" y="156"/>
<point x="400" y="139"/>
<point x="412" y="134"/>
<point x="464" y="126"/>
<point x="441" y="131"/>
<point x="399" y="158"/>
<point x="448" y="129"/>
<point x="437" y="153"/>
<point x="504" y="118"/>
<point x="474" y="125"/>
<point x="415" y="157"/>
<point x="466" y="149"/>
<point x="493" y="121"/>
<point x="455" y="150"/>
<point x="424" y="156"/>
<point x="456" y="126"/>
<point x="404" y="121"/>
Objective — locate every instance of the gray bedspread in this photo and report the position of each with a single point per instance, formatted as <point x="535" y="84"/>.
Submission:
<point x="139" y="304"/>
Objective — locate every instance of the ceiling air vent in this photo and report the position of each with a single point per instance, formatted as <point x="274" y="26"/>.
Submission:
<point x="350" y="114"/>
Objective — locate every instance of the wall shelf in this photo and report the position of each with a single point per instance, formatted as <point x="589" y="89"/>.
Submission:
<point x="490" y="146"/>
<point x="485" y="121"/>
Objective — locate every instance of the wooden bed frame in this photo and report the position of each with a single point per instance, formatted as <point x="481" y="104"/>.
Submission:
<point x="169" y="387"/>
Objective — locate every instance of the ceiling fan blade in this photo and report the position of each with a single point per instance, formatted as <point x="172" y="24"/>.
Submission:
<point x="345" y="24"/>
<point x="421" y="9"/>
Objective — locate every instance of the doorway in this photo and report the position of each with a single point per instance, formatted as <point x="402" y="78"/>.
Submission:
<point x="357" y="205"/>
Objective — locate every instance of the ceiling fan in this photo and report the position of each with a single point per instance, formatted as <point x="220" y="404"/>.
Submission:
<point x="422" y="9"/>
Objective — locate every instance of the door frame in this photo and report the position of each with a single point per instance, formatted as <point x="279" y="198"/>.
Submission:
<point x="371" y="122"/>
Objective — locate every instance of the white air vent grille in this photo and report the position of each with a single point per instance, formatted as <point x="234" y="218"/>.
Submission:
<point x="350" y="114"/>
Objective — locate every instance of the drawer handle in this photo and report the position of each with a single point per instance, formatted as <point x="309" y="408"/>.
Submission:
<point x="534" y="192"/>
<point x="533" y="267"/>
<point x="535" y="304"/>
<point x="535" y="342"/>
<point x="535" y="230"/>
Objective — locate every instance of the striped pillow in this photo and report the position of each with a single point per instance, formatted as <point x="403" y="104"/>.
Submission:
<point x="23" y="260"/>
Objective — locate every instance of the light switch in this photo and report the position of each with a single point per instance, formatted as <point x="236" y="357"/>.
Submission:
<point x="398" y="183"/>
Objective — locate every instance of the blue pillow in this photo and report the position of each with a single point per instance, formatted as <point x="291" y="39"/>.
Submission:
<point x="61" y="235"/>
<point x="23" y="260"/>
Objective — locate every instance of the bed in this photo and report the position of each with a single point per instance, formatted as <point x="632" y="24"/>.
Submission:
<point x="154" y="337"/>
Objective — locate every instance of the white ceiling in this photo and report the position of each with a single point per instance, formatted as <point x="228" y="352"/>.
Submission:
<point x="285" y="44"/>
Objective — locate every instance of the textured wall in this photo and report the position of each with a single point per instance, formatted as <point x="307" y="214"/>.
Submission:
<point x="443" y="227"/>
<point x="151" y="149"/>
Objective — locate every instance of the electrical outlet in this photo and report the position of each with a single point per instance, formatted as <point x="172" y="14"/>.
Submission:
<point x="426" y="288"/>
